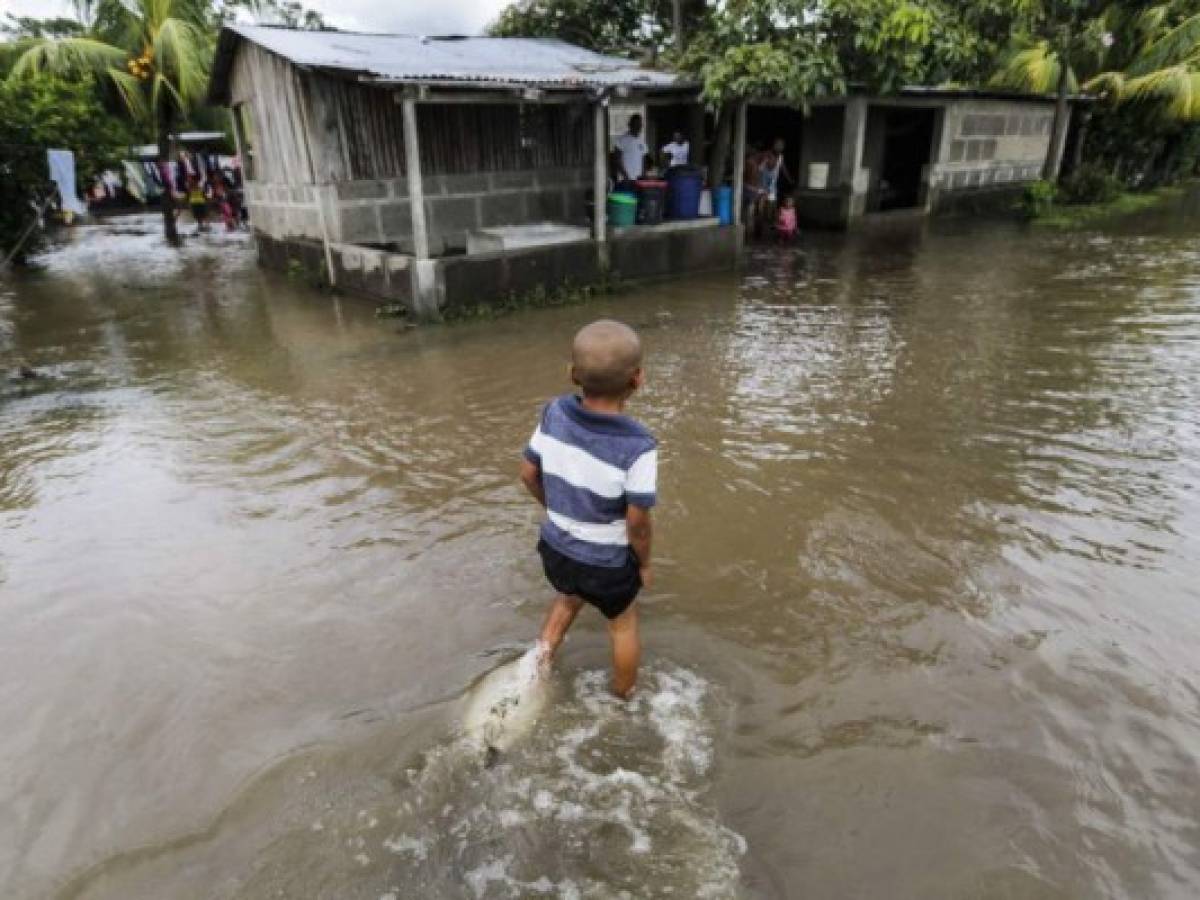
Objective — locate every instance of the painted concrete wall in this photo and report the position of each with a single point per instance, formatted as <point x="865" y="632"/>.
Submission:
<point x="821" y="141"/>
<point x="992" y="143"/>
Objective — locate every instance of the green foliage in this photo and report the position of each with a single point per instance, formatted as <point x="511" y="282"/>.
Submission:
<point x="44" y="113"/>
<point x="1038" y="199"/>
<point x="1090" y="183"/>
<point x="792" y="49"/>
<point x="608" y="26"/>
<point x="18" y="27"/>
<point x="887" y="44"/>
<point x="1083" y="215"/>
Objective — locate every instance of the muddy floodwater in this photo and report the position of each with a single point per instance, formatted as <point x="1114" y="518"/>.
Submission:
<point x="926" y="623"/>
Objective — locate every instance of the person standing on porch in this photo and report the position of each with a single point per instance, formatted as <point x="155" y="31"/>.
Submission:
<point x="679" y="151"/>
<point x="633" y="150"/>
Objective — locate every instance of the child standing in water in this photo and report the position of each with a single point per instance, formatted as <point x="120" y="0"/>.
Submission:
<point x="595" y="471"/>
<point x="198" y="202"/>
<point x="785" y="221"/>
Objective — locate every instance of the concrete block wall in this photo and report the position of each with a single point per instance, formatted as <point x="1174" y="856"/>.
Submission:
<point x="379" y="212"/>
<point x="282" y="211"/>
<point x="992" y="144"/>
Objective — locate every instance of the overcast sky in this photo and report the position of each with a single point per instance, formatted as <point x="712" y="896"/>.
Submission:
<point x="406" y="16"/>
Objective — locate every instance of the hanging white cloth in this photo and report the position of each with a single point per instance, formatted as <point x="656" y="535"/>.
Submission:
<point x="62" y="173"/>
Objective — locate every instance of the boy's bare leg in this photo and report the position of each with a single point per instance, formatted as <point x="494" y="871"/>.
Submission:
<point x="626" y="650"/>
<point x="563" y="610"/>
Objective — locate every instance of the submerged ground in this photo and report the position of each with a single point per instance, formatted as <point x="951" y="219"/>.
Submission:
<point x="925" y="625"/>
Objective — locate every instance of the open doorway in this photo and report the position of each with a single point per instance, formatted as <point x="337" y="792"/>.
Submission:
<point x="765" y="126"/>
<point x="899" y="145"/>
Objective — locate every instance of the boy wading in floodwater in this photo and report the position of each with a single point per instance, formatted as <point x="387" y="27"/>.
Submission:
<point x="595" y="471"/>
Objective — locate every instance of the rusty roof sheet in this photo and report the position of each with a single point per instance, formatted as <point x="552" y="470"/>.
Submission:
<point x="481" y="61"/>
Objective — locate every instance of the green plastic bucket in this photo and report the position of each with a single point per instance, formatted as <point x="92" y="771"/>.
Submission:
<point x="622" y="210"/>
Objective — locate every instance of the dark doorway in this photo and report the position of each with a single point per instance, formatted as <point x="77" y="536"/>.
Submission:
<point x="767" y="124"/>
<point x="901" y="142"/>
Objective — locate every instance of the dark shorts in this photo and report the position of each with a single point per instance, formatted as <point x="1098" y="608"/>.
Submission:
<point x="199" y="211"/>
<point x="610" y="590"/>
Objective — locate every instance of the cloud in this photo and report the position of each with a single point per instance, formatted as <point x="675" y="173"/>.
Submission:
<point x="402" y="16"/>
<point x="410" y="16"/>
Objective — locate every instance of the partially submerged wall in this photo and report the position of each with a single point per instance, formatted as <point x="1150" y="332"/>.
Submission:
<point x="451" y="285"/>
<point x="990" y="146"/>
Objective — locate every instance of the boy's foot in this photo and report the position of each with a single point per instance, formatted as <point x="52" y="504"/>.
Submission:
<point x="545" y="658"/>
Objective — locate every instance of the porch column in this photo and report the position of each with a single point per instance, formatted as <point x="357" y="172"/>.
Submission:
<point x="416" y="191"/>
<point x="739" y="172"/>
<point x="851" y="179"/>
<point x="600" y="179"/>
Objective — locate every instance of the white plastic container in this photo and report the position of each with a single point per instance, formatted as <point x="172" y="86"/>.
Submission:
<point x="818" y="176"/>
<point x="706" y="209"/>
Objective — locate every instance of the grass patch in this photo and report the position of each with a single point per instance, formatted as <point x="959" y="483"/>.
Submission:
<point x="1076" y="216"/>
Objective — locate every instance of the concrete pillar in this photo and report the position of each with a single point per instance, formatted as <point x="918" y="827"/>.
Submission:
<point x="853" y="180"/>
<point x="739" y="163"/>
<point x="939" y="152"/>
<point x="600" y="181"/>
<point x="416" y="191"/>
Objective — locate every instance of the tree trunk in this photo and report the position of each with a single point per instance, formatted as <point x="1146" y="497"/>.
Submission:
<point x="168" y="198"/>
<point x="721" y="144"/>
<point x="677" y="11"/>
<point x="1058" y="136"/>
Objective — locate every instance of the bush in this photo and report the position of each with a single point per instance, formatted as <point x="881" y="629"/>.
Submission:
<point x="37" y="114"/>
<point x="1038" y="198"/>
<point x="1090" y="184"/>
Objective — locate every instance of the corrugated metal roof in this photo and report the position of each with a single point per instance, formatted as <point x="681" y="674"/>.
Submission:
<point x="533" y="62"/>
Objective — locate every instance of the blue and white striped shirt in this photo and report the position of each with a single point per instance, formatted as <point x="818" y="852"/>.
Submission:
<point x="594" y="466"/>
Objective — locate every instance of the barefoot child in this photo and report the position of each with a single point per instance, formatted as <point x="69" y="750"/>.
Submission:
<point x="785" y="221"/>
<point x="595" y="471"/>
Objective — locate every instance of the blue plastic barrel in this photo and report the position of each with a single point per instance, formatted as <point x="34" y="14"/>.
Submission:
<point x="724" y="204"/>
<point x="683" y="197"/>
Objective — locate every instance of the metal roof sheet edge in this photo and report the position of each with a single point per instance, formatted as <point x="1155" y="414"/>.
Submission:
<point x="466" y="61"/>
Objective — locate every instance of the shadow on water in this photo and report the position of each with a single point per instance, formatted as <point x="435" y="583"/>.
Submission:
<point x="925" y="617"/>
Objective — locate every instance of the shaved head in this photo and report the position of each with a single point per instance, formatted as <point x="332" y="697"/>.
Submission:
<point x="605" y="357"/>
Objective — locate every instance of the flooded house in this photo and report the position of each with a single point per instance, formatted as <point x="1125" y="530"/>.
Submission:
<point x="916" y="152"/>
<point x="442" y="172"/>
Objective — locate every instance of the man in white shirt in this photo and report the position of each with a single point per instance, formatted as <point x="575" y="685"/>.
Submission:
<point x="633" y="150"/>
<point x="678" y="151"/>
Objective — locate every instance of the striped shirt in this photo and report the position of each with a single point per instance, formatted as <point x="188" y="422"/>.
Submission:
<point x="594" y="466"/>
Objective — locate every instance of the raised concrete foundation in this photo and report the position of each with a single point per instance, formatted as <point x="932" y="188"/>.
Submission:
<point x="435" y="288"/>
<point x="378" y="213"/>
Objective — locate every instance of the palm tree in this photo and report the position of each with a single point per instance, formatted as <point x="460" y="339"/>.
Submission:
<point x="1164" y="65"/>
<point x="156" y="57"/>
<point x="1124" y="54"/>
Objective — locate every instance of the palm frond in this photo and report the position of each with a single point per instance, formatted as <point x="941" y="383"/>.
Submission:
<point x="131" y="92"/>
<point x="68" y="56"/>
<point x="1178" y="87"/>
<point x="1151" y="20"/>
<point x="1180" y="43"/>
<point x="1035" y="69"/>
<point x="180" y="54"/>
<point x="1108" y="84"/>
<point x="161" y="90"/>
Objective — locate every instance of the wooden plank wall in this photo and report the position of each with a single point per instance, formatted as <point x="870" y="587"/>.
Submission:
<point x="272" y="87"/>
<point x="463" y="139"/>
<point x="357" y="129"/>
<point x="362" y="128"/>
